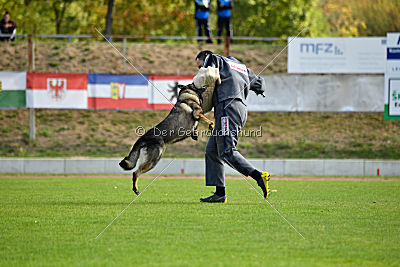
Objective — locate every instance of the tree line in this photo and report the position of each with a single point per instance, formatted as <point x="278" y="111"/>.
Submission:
<point x="275" y="18"/>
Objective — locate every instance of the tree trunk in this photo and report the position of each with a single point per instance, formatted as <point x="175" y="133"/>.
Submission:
<point x="59" y="13"/>
<point x="57" y="17"/>
<point x="109" y="17"/>
<point x="58" y="26"/>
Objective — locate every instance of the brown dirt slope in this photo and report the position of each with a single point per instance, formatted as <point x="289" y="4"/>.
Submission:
<point x="148" y="58"/>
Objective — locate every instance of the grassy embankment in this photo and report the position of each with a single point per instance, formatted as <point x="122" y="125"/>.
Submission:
<point x="103" y="133"/>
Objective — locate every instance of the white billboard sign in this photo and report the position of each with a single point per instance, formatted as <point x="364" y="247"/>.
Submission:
<point x="337" y="55"/>
<point x="320" y="93"/>
<point x="392" y="77"/>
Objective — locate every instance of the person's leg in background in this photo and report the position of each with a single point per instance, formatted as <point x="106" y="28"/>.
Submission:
<point x="207" y="30"/>
<point x="198" y="29"/>
<point x="220" y="27"/>
<point x="228" y="27"/>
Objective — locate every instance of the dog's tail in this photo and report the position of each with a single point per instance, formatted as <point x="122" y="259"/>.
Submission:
<point x="129" y="162"/>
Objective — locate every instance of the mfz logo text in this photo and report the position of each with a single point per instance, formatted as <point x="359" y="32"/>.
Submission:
<point x="320" y="48"/>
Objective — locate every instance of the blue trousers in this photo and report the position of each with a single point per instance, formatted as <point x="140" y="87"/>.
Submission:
<point x="221" y="146"/>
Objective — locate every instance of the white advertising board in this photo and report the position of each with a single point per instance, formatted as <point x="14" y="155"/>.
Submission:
<point x="337" y="55"/>
<point x="320" y="93"/>
<point x="392" y="77"/>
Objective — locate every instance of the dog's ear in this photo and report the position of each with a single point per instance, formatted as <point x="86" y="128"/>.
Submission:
<point x="181" y="86"/>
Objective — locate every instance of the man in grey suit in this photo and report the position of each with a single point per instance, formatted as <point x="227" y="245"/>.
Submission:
<point x="230" y="112"/>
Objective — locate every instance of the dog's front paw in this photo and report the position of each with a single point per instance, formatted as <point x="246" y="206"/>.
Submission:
<point x="195" y="135"/>
<point x="211" y="126"/>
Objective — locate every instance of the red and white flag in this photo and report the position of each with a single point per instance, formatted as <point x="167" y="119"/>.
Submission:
<point x="57" y="90"/>
<point x="164" y="91"/>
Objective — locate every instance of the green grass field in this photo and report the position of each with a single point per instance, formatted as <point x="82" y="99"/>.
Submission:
<point x="54" y="221"/>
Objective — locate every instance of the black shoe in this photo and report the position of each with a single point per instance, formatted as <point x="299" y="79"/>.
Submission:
<point x="215" y="199"/>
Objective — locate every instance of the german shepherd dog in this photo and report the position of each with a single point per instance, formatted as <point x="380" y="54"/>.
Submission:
<point x="180" y="124"/>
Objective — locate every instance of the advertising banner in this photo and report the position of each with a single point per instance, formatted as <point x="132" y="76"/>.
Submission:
<point x="163" y="90"/>
<point x="285" y="93"/>
<point x="109" y="91"/>
<point x="56" y="90"/>
<point x="337" y="55"/>
<point x="319" y="93"/>
<point x="392" y="77"/>
<point x="12" y="89"/>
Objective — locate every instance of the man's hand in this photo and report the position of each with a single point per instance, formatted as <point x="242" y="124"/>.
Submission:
<point x="258" y="85"/>
<point x="258" y="91"/>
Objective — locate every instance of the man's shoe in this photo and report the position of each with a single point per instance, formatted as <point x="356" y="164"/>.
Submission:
<point x="263" y="183"/>
<point x="214" y="199"/>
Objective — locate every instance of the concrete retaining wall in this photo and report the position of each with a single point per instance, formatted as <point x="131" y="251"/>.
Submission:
<point x="329" y="167"/>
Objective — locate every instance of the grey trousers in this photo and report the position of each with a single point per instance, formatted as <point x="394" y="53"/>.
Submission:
<point x="221" y="146"/>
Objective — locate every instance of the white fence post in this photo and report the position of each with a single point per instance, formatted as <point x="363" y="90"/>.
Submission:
<point x="31" y="67"/>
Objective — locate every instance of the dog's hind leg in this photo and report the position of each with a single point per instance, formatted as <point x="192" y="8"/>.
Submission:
<point x="151" y="157"/>
<point x="134" y="182"/>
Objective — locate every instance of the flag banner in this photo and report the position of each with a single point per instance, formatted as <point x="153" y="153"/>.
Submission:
<point x="12" y="89"/>
<point x="163" y="91"/>
<point x="57" y="90"/>
<point x="109" y="91"/>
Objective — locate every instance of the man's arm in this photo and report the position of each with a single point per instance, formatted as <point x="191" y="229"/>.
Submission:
<point x="257" y="83"/>
<point x="207" y="76"/>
